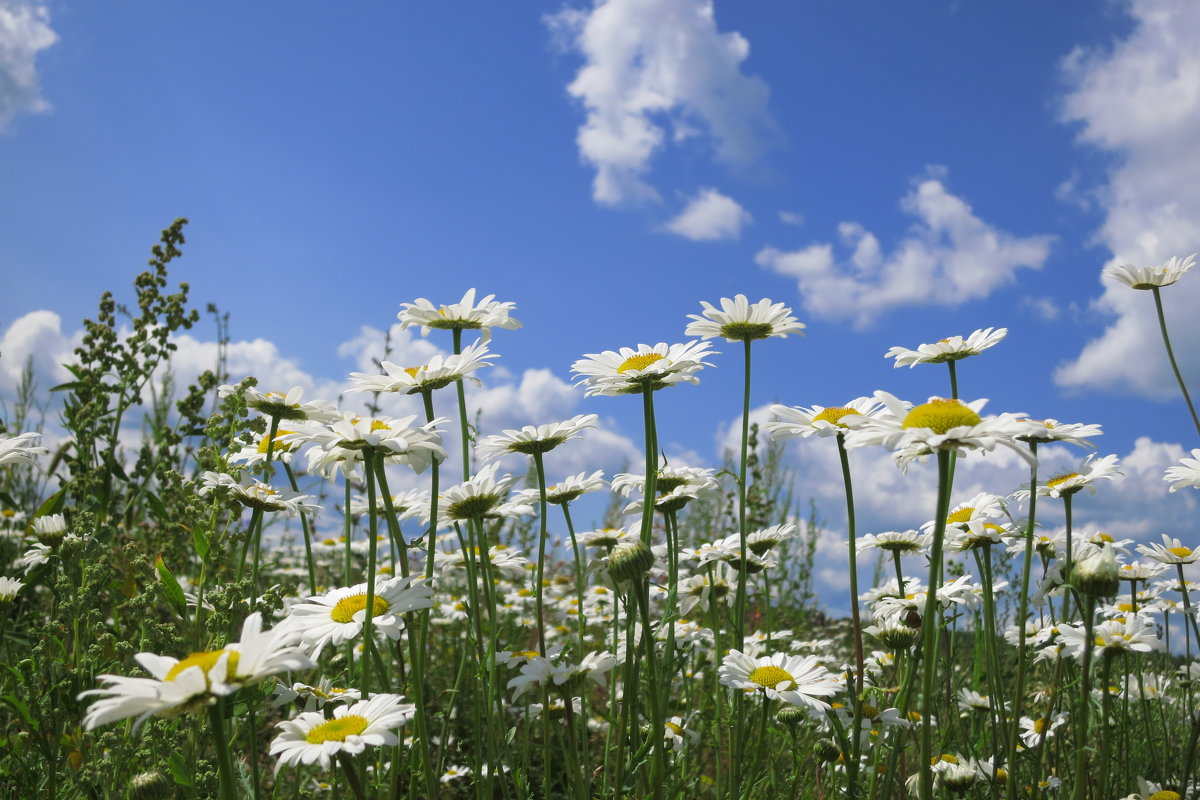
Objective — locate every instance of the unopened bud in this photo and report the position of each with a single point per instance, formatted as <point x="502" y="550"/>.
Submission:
<point x="1097" y="575"/>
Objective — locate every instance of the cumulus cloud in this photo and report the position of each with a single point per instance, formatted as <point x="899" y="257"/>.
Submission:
<point x="36" y="338"/>
<point x="24" y="32"/>
<point x="709" y="216"/>
<point x="949" y="256"/>
<point x="1044" y="308"/>
<point x="654" y="72"/>
<point x="1139" y="100"/>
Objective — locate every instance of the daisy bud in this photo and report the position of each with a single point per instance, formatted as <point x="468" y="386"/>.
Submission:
<point x="899" y="637"/>
<point x="629" y="562"/>
<point x="826" y="750"/>
<point x="151" y="786"/>
<point x="791" y="716"/>
<point x="1097" y="575"/>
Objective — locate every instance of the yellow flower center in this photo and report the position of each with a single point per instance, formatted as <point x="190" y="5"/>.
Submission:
<point x="284" y="446"/>
<point x="639" y="361"/>
<point x="770" y="676"/>
<point x="1061" y="479"/>
<point x="962" y="515"/>
<point x="8" y="512"/>
<point x="1181" y="552"/>
<point x="412" y="371"/>
<point x="941" y="415"/>
<point x="526" y="654"/>
<point x="1165" y="794"/>
<point x="949" y="758"/>
<point x="1039" y="726"/>
<point x="206" y="661"/>
<point x="347" y="607"/>
<point x="834" y="416"/>
<point x="336" y="730"/>
<point x="673" y="728"/>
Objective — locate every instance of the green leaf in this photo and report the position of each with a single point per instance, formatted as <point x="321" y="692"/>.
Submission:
<point x="170" y="586"/>
<point x="70" y="386"/>
<point x="21" y="708"/>
<point x="200" y="539"/>
<point x="156" y="505"/>
<point x="179" y="770"/>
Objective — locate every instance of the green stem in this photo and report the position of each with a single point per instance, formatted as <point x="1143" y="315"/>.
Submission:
<point x="1085" y="702"/>
<point x="1022" y="613"/>
<point x="739" y="622"/>
<point x="462" y="412"/>
<point x="856" y="623"/>
<point x="369" y="461"/>
<point x="216" y="721"/>
<point x="543" y="534"/>
<point x="953" y="379"/>
<point x="308" y="554"/>
<point x="929" y="626"/>
<point x="1162" y="324"/>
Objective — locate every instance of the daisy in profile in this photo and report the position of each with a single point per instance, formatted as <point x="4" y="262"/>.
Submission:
<point x="902" y="542"/>
<point x="952" y="349"/>
<point x="546" y="672"/>
<point x="530" y="439"/>
<point x="646" y="368"/>
<point x="284" y="405"/>
<point x="256" y="452"/>
<point x="792" y="422"/>
<point x="796" y="680"/>
<point x="567" y="490"/>
<point x="20" y="449"/>
<point x="311" y="738"/>
<point x="441" y="371"/>
<point x="1152" y="277"/>
<point x="255" y="494"/>
<point x="1092" y="469"/>
<point x="340" y="445"/>
<point x="1186" y="474"/>
<point x="8" y="590"/>
<point x="739" y="320"/>
<point x="338" y="616"/>
<point x="940" y="424"/>
<point x="195" y="681"/>
<point x="1171" y="551"/>
<point x="466" y="314"/>
<point x="483" y="497"/>
<point x="675" y="486"/>
<point x="1052" y="430"/>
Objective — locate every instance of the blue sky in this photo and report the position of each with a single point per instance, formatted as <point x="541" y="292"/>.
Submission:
<point x="897" y="173"/>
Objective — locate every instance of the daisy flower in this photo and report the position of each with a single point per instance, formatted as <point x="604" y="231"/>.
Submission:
<point x="1090" y="471"/>
<point x="256" y="453"/>
<point x="952" y="349"/>
<point x="531" y="440"/>
<point x="545" y="672"/>
<point x="50" y="529"/>
<point x="8" y="590"/>
<point x="258" y="495"/>
<point x="1151" y="277"/>
<point x="1186" y="474"/>
<point x="630" y="371"/>
<point x="338" y="616"/>
<point x="340" y="444"/>
<point x="796" y="680"/>
<point x="940" y="424"/>
<point x="606" y="537"/>
<point x="703" y="589"/>
<point x="310" y="738"/>
<point x="35" y="556"/>
<point x="196" y="680"/>
<point x="676" y="734"/>
<point x="441" y="371"/>
<point x="791" y="422"/>
<point x="481" y="496"/>
<point x="1052" y="430"/>
<point x="20" y="449"/>
<point x="567" y="490"/>
<point x="676" y="487"/>
<point x="902" y="542"/>
<point x="1033" y="731"/>
<point x="738" y="320"/>
<point x="1171" y="551"/>
<point x="466" y="314"/>
<point x="284" y="405"/>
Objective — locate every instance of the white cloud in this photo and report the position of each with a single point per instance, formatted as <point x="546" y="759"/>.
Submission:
<point x="24" y="32"/>
<point x="1044" y="308"/>
<point x="791" y="218"/>
<point x="948" y="257"/>
<point x="1140" y="101"/>
<point x="654" y="65"/>
<point x="708" y="216"/>
<point x="36" y="336"/>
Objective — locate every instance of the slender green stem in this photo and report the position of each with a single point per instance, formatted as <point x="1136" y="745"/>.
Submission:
<point x="543" y="534"/>
<point x="462" y="412"/>
<point x="1085" y="702"/>
<point x="739" y="622"/>
<point x="1022" y="624"/>
<point x="216" y="721"/>
<point x="369" y="461"/>
<point x="308" y="553"/>
<point x="953" y="379"/>
<point x="577" y="553"/>
<point x="1162" y="324"/>
<point x="852" y="763"/>
<point x="351" y="772"/>
<point x="930" y="627"/>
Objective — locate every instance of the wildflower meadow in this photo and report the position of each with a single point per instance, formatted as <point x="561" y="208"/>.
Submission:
<point x="228" y="590"/>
